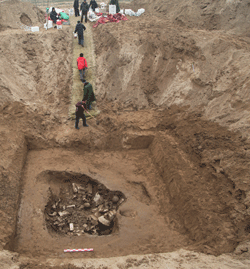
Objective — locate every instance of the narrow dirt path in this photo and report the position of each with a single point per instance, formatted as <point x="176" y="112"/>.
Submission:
<point x="89" y="53"/>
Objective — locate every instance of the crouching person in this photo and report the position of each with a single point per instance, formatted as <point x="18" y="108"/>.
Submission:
<point x="80" y="107"/>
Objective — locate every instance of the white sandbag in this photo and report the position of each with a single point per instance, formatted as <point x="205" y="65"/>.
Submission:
<point x="112" y="9"/>
<point x="58" y="10"/>
<point x="50" y="25"/>
<point x="140" y="11"/>
<point x="71" y="12"/>
<point x="92" y="16"/>
<point x="130" y="12"/>
<point x="34" y="29"/>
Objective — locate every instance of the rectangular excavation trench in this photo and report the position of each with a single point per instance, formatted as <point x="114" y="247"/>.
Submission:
<point x="141" y="227"/>
<point x="170" y="202"/>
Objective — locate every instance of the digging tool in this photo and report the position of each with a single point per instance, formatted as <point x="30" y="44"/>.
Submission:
<point x="97" y="122"/>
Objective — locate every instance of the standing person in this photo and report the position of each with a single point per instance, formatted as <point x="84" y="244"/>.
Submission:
<point x="115" y="2"/>
<point x="76" y="8"/>
<point x="88" y="94"/>
<point x="84" y="9"/>
<point x="79" y="29"/>
<point x="80" y="107"/>
<point x="53" y="15"/>
<point x="93" y="4"/>
<point x="82" y="66"/>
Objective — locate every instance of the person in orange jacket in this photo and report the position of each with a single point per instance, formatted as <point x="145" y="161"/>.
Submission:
<point x="82" y="66"/>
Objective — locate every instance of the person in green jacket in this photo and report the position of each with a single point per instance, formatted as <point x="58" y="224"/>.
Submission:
<point x="115" y="2"/>
<point x="88" y="94"/>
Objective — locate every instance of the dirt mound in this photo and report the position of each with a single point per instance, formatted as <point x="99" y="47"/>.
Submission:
<point x="227" y="15"/>
<point x="40" y="69"/>
<point x="155" y="63"/>
<point x="14" y="14"/>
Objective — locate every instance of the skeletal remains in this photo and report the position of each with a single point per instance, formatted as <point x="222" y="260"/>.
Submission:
<point x="83" y="208"/>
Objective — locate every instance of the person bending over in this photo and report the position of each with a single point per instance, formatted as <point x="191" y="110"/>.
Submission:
<point x="80" y="107"/>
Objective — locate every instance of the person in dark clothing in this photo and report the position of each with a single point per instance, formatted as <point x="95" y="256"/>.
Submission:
<point x="115" y="2"/>
<point x="88" y="94"/>
<point x="80" y="107"/>
<point x="53" y="15"/>
<point x="84" y="9"/>
<point x="76" y="8"/>
<point x="93" y="4"/>
<point x="79" y="29"/>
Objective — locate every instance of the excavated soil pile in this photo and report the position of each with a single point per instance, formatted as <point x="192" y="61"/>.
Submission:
<point x="153" y="61"/>
<point x="167" y="166"/>
<point x="16" y="15"/>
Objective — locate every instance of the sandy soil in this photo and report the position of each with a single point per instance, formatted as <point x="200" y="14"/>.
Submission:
<point x="173" y="136"/>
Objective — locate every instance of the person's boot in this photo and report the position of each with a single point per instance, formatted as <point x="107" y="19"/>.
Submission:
<point x="86" y="125"/>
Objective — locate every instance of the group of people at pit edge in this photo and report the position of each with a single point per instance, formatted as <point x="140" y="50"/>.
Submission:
<point x="85" y="7"/>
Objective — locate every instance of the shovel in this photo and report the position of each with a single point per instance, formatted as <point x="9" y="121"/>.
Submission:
<point x="97" y="122"/>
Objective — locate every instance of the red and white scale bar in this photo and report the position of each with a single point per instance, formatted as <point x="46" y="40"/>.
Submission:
<point x="79" y="250"/>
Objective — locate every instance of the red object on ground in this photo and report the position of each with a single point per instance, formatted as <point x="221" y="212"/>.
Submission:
<point x="59" y="22"/>
<point x="111" y="18"/>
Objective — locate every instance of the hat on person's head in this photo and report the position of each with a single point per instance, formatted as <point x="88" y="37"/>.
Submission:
<point x="83" y="80"/>
<point x="81" y="54"/>
<point x="78" y="21"/>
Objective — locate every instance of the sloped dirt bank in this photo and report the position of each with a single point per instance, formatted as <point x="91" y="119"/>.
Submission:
<point x="36" y="69"/>
<point x="148" y="61"/>
<point x="231" y="16"/>
<point x="165" y="139"/>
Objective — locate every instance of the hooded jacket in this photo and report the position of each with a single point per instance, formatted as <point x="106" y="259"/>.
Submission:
<point x="79" y="29"/>
<point x="84" y="7"/>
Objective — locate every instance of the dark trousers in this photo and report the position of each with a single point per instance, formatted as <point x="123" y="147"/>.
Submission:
<point x="80" y="39"/>
<point x="82" y="73"/>
<point x="77" y="12"/>
<point x="83" y="119"/>
<point x="84" y="14"/>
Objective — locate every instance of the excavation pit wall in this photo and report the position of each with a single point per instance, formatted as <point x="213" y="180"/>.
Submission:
<point x="170" y="202"/>
<point x="140" y="227"/>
